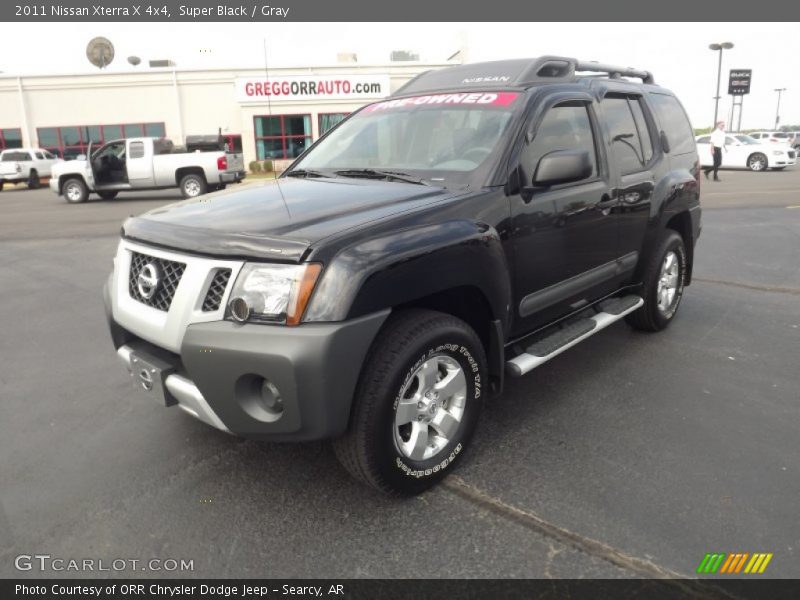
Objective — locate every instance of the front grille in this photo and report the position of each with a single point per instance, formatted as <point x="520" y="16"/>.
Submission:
<point x="792" y="154"/>
<point x="169" y="274"/>
<point x="216" y="290"/>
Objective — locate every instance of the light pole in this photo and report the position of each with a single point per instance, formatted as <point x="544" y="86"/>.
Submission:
<point x="719" y="47"/>
<point x="778" y="109"/>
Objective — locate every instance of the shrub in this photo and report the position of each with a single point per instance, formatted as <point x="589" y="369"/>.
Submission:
<point x="255" y="166"/>
<point x="268" y="166"/>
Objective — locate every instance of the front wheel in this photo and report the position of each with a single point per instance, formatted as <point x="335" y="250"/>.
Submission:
<point x="107" y="195"/>
<point x="417" y="403"/>
<point x="663" y="280"/>
<point x="192" y="185"/>
<point x="1" y="185"/>
<point x="33" y="180"/>
<point x="757" y="162"/>
<point x="75" y="191"/>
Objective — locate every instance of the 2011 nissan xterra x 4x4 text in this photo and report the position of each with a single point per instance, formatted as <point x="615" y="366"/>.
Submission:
<point x="477" y="223"/>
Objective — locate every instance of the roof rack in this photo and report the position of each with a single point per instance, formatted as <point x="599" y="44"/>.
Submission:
<point x="616" y="72"/>
<point x="560" y="67"/>
<point x="516" y="73"/>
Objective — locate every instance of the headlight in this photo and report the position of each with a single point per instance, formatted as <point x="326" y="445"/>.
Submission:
<point x="272" y="293"/>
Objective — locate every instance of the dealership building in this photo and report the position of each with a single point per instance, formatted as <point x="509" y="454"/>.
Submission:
<point x="271" y="115"/>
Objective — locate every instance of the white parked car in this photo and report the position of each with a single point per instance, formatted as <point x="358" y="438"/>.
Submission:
<point x="773" y="137"/>
<point x="27" y="165"/>
<point x="743" y="152"/>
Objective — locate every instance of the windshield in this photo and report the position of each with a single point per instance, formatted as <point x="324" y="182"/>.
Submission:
<point x="746" y="139"/>
<point x="439" y="139"/>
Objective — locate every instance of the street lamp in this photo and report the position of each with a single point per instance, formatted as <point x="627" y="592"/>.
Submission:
<point x="778" y="109"/>
<point x="719" y="47"/>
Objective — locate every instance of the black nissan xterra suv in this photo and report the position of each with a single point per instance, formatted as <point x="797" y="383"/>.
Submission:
<point x="477" y="223"/>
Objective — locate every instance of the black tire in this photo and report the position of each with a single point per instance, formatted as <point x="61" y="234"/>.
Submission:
<point x="757" y="162"/>
<point x="2" y="183"/>
<point x="193" y="185"/>
<point x="33" y="180"/>
<point x="107" y="195"/>
<point x="370" y="449"/>
<point x="75" y="190"/>
<point x="651" y="317"/>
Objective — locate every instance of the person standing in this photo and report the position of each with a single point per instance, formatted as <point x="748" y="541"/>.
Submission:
<point x="717" y="147"/>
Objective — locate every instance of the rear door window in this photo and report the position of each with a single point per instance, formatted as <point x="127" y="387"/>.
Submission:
<point x="137" y="150"/>
<point x="631" y="150"/>
<point x="674" y="123"/>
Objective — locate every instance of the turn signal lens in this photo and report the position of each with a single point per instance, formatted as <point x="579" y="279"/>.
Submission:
<point x="307" y="283"/>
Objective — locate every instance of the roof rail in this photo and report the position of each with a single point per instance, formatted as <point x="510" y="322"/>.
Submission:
<point x="562" y="67"/>
<point x="518" y="72"/>
<point x="616" y="72"/>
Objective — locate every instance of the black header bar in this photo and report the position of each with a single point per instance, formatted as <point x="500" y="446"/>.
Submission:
<point x="405" y="11"/>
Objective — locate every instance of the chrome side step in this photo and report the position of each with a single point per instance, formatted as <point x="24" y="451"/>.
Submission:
<point x="543" y="350"/>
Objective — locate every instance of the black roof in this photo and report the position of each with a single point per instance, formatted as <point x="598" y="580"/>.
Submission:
<point x="519" y="73"/>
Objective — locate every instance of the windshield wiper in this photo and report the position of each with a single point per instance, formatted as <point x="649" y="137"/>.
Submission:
<point x="305" y="173"/>
<point x="381" y="174"/>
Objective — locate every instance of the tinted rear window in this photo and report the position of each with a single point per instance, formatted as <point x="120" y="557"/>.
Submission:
<point x="674" y="123"/>
<point x="625" y="140"/>
<point x="16" y="156"/>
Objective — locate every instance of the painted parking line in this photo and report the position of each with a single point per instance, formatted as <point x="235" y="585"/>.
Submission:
<point x="739" y="193"/>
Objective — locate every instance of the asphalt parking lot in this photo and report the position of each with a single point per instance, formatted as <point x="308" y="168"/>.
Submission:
<point x="630" y="455"/>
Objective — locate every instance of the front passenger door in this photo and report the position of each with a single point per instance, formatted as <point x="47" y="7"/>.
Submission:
<point x="564" y="236"/>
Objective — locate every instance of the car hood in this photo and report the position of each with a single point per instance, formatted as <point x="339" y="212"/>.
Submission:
<point x="277" y="220"/>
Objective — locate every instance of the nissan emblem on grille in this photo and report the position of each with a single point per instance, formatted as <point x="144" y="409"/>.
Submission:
<point x="153" y="281"/>
<point x="147" y="281"/>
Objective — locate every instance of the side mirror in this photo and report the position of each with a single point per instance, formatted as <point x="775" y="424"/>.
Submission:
<point x="562" y="166"/>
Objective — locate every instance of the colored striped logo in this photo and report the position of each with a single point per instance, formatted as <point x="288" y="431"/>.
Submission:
<point x="740" y="562"/>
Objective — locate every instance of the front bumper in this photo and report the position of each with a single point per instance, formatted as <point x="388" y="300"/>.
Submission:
<point x="54" y="185"/>
<point x="314" y="366"/>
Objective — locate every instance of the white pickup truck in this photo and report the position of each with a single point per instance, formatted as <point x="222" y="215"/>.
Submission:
<point x="25" y="165"/>
<point x="148" y="163"/>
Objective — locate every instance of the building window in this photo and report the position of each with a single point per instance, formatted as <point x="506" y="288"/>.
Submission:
<point x="330" y="120"/>
<point x="10" y="138"/>
<point x="154" y="130"/>
<point x="282" y="136"/>
<point x="69" y="142"/>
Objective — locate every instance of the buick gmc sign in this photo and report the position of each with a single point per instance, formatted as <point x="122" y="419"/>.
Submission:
<point x="311" y="87"/>
<point x="739" y="82"/>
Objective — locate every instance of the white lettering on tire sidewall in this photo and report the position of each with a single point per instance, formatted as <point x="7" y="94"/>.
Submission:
<point x="473" y="369"/>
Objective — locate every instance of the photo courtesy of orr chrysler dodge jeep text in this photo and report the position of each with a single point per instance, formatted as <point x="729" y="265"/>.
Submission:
<point x="479" y="222"/>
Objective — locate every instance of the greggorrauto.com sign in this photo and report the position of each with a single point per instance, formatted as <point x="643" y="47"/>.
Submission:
<point x="311" y="87"/>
